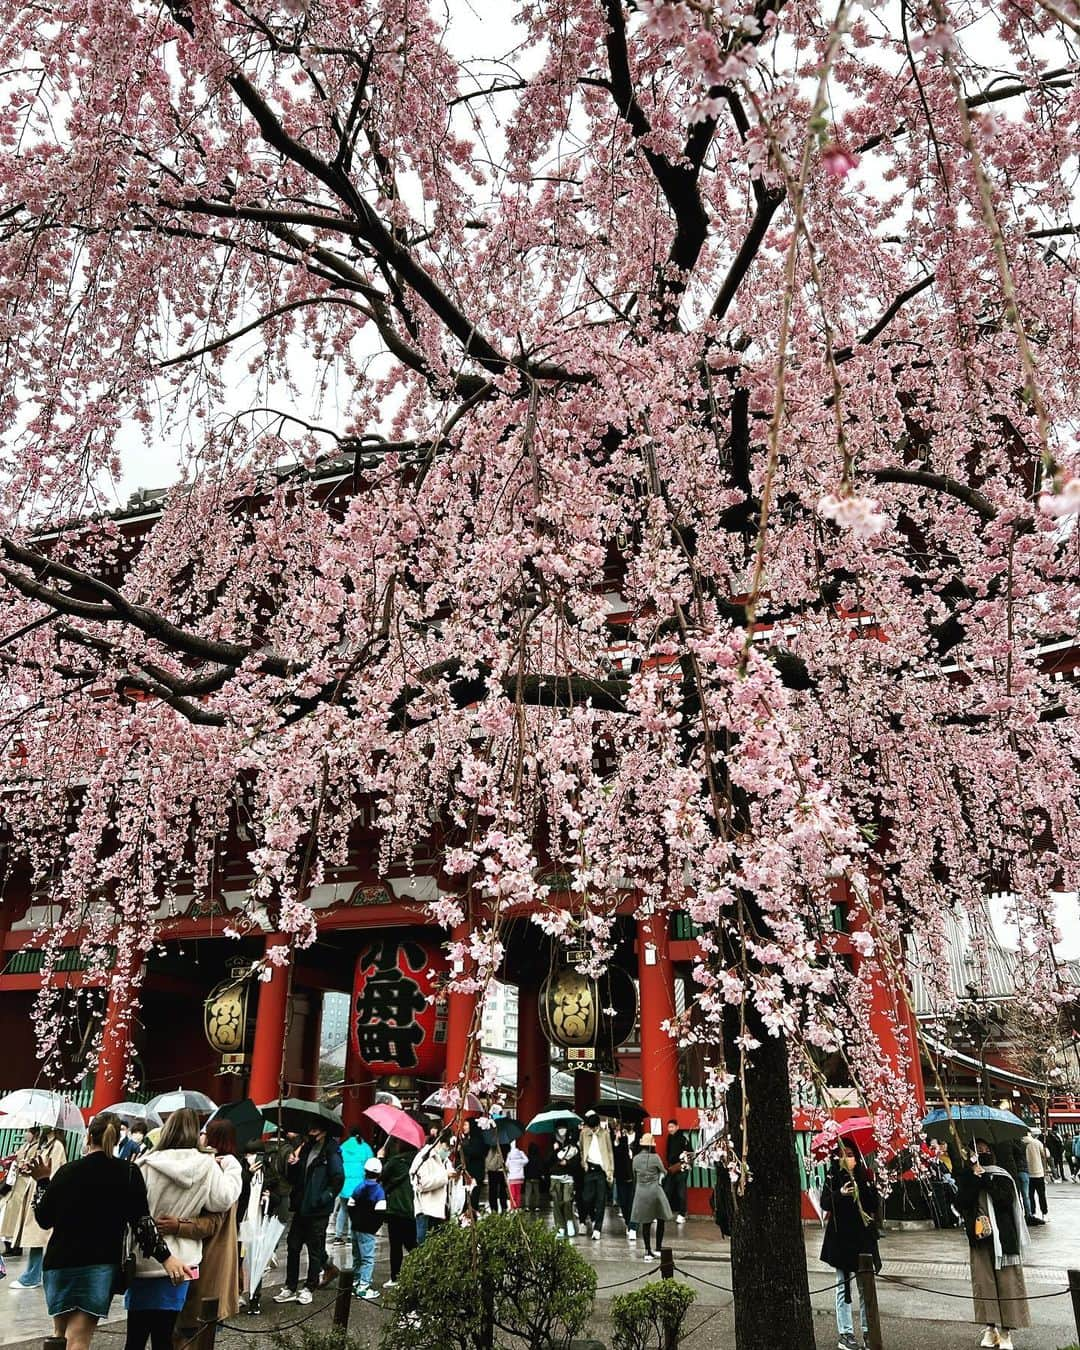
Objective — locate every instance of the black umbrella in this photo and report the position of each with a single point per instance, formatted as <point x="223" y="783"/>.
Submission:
<point x="622" y="1110"/>
<point x="246" y="1119"/>
<point x="293" y="1113"/>
<point x="504" y="1130"/>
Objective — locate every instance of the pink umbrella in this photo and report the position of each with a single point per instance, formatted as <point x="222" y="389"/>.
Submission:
<point x="396" y="1123"/>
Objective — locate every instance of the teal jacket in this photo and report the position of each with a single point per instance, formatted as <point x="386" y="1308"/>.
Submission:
<point x="354" y="1154"/>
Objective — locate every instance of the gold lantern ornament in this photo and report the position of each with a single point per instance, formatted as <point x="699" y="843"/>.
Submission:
<point x="586" y="1016"/>
<point x="225" y="1021"/>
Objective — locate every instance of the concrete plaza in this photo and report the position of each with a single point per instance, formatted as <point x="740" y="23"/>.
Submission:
<point x="924" y="1292"/>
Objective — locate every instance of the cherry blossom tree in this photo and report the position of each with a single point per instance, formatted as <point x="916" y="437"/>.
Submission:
<point x="650" y="454"/>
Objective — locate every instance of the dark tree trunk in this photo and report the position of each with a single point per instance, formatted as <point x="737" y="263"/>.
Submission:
<point x="768" y="1259"/>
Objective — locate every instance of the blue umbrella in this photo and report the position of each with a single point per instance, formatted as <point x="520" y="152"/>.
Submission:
<point x="985" y="1121"/>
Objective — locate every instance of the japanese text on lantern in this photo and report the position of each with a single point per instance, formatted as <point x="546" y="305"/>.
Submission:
<point x="395" y="1020"/>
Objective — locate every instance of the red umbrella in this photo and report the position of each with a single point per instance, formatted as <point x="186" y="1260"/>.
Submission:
<point x="396" y="1123"/>
<point x="859" y="1130"/>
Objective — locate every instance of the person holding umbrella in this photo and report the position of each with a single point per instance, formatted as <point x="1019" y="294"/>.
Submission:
<point x="49" y="1157"/>
<point x="997" y="1236"/>
<point x="850" y="1205"/>
<point x="316" y="1176"/>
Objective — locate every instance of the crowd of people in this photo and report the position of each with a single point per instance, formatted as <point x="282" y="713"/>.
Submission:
<point x="173" y="1217"/>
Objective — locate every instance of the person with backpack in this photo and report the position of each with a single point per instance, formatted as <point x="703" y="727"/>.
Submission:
<point x="367" y="1210"/>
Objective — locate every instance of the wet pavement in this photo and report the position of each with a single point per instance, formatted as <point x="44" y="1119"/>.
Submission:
<point x="924" y="1291"/>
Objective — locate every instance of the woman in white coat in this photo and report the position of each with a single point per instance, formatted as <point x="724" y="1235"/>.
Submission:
<point x="182" y="1182"/>
<point x="430" y="1177"/>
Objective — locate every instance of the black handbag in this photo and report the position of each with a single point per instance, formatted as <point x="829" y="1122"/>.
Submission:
<point x="125" y="1271"/>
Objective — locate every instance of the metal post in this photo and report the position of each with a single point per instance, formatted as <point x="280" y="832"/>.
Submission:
<point x="868" y="1298"/>
<point x="667" y="1263"/>
<point x="343" y="1302"/>
<point x="1074" y="1291"/>
<point x="208" y="1317"/>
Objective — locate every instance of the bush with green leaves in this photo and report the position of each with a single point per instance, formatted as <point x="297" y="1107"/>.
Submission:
<point x="501" y="1282"/>
<point x="314" y="1338"/>
<point x="650" y="1318"/>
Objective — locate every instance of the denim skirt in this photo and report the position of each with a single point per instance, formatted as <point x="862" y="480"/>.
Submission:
<point x="87" y="1289"/>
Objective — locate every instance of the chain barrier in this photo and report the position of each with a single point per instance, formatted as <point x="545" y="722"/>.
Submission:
<point x="948" y="1293"/>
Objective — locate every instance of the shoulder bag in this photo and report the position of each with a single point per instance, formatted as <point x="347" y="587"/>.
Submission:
<point x="125" y="1271"/>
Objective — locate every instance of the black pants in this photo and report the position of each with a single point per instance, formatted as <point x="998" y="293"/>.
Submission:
<point x="1038" y="1192"/>
<point x="675" y="1187"/>
<point x="594" y="1196"/>
<point x="624" y="1194"/>
<point x="498" y="1195"/>
<point x="401" y="1229"/>
<point x="646" y="1233"/>
<point x="155" y="1326"/>
<point x="308" y="1230"/>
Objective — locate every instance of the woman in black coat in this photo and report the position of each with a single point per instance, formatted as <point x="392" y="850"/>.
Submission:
<point x="850" y="1204"/>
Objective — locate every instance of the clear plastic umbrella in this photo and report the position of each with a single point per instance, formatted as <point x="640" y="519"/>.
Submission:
<point x="265" y="1234"/>
<point x="130" y="1112"/>
<point x="34" y="1106"/>
<point x="180" y="1100"/>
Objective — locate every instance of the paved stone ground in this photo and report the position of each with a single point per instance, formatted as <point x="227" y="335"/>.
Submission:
<point x="925" y="1297"/>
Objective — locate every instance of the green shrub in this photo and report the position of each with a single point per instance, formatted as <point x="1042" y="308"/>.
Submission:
<point x="471" y="1288"/>
<point x="312" y="1338"/>
<point x="650" y="1318"/>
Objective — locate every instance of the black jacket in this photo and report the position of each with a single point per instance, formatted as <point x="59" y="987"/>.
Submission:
<point x="1002" y="1192"/>
<point x="315" y="1188"/>
<point x="847" y="1234"/>
<point x="623" y="1158"/>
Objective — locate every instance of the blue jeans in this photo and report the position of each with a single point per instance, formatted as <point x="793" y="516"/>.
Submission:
<point x="844" y="1323"/>
<point x="341" y="1218"/>
<point x="363" y="1246"/>
<point x="1025" y="1193"/>
<point x="31" y="1276"/>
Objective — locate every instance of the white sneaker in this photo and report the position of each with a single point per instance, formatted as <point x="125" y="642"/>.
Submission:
<point x="631" y="1236"/>
<point x="648" y="1257"/>
<point x="560" y="1232"/>
<point x="680" y="1218"/>
<point x="990" y="1338"/>
<point x="1005" y="1341"/>
<point x="596" y="1235"/>
<point x="370" y="1294"/>
<point x="285" y="1295"/>
<point x="304" y="1296"/>
<point x="389" y="1284"/>
<point x="571" y="1231"/>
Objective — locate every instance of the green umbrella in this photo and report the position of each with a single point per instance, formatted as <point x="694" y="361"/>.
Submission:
<point x="293" y="1113"/>
<point x="547" y="1122"/>
<point x="246" y="1118"/>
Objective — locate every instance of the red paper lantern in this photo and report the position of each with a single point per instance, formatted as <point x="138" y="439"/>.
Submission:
<point x="397" y="1026"/>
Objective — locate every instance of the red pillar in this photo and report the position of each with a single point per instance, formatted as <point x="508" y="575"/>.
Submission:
<point x="270" y="1027"/>
<point x="533" y="1056"/>
<point x="461" y="1060"/>
<point x="115" y="1052"/>
<point x="659" y="1052"/>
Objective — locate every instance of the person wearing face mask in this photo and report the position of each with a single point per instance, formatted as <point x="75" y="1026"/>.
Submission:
<point x="997" y="1236"/>
<point x="565" y="1164"/>
<point x="849" y="1204"/>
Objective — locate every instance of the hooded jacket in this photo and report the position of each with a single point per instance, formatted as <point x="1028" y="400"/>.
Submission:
<point x="430" y="1179"/>
<point x="354" y="1154"/>
<point x="601" y="1135"/>
<point x="182" y="1182"/>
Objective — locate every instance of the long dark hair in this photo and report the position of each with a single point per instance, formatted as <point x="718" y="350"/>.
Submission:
<point x="837" y="1169"/>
